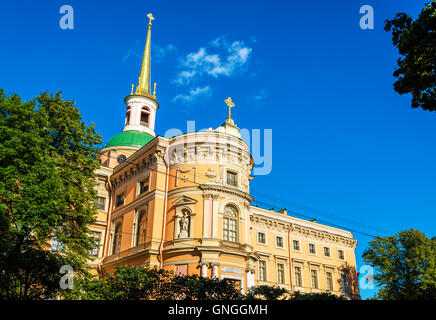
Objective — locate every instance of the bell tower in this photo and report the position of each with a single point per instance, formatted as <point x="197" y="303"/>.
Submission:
<point x="141" y="104"/>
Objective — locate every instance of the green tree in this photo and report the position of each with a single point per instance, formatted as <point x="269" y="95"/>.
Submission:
<point x="405" y="265"/>
<point x="266" y="292"/>
<point x="144" y="283"/>
<point x="416" y="43"/>
<point x="47" y="163"/>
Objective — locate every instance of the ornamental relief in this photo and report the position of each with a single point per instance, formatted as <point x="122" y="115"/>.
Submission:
<point x="301" y="231"/>
<point x="137" y="168"/>
<point x="208" y="153"/>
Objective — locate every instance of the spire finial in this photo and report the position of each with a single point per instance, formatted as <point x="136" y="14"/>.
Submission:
<point x="231" y="105"/>
<point x="131" y="91"/>
<point x="144" y="81"/>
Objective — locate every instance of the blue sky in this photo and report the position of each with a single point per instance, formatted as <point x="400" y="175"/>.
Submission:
<point x="343" y="141"/>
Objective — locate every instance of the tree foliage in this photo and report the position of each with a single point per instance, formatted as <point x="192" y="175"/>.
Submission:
<point x="142" y="283"/>
<point x="47" y="163"/>
<point x="416" y="43"/>
<point x="405" y="265"/>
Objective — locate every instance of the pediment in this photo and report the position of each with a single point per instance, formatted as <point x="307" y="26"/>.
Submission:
<point x="184" y="200"/>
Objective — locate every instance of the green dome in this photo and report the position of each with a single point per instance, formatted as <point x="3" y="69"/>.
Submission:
<point x="130" y="138"/>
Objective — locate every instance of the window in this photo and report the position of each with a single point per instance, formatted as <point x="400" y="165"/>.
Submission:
<point x="56" y="245"/>
<point x="141" y="227"/>
<point x="128" y="115"/>
<point x="326" y="251"/>
<point x="344" y="282"/>
<point x="279" y="242"/>
<point x="99" y="203"/>
<point x="314" y="279"/>
<point x="312" y="248"/>
<point x="329" y="280"/>
<point x="298" y="281"/>
<point x="116" y="245"/>
<point x="182" y="270"/>
<point x="261" y="237"/>
<point x="236" y="283"/>
<point x="230" y="230"/>
<point x="144" y="185"/>
<point x="119" y="201"/>
<point x="296" y="245"/>
<point x="280" y="273"/>
<point x="262" y="270"/>
<point x="95" y="237"/>
<point x="231" y="178"/>
<point x="145" y="116"/>
<point x="341" y="255"/>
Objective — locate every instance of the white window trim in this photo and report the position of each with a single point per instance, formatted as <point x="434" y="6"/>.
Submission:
<point x="283" y="242"/>
<point x="301" y="275"/>
<point x="314" y="245"/>
<point x="284" y="272"/>
<point x="333" y="279"/>
<point x="262" y="243"/>
<point x="139" y="181"/>
<point x="317" y="279"/>
<point x="266" y="271"/>
<point x="299" y="245"/>
<point x="343" y="252"/>
<point x="330" y="252"/>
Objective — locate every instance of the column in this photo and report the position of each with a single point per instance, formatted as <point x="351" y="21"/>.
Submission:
<point x="204" y="270"/>
<point x="215" y="271"/>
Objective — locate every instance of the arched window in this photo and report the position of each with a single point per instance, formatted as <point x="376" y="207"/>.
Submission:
<point x="145" y="114"/>
<point x="117" y="239"/>
<point x="230" y="224"/>
<point x="128" y="115"/>
<point x="141" y="227"/>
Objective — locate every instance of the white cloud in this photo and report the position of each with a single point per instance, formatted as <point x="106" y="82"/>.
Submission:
<point x="193" y="95"/>
<point x="219" y="58"/>
<point x="262" y="95"/>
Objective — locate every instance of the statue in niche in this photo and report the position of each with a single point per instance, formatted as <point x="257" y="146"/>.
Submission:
<point x="184" y="224"/>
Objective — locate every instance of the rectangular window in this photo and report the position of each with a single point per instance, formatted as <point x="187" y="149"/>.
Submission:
<point x="229" y="229"/>
<point x="262" y="270"/>
<point x="144" y="185"/>
<point x="279" y="242"/>
<point x="261" y="237"/>
<point x="343" y="282"/>
<point x="314" y="279"/>
<point x="341" y="255"/>
<point x="232" y="178"/>
<point x="95" y="237"/>
<point x="182" y="270"/>
<point x="312" y="248"/>
<point x="236" y="283"/>
<point x="280" y="273"/>
<point x="326" y="251"/>
<point x="298" y="281"/>
<point x="296" y="245"/>
<point x="99" y="203"/>
<point x="329" y="280"/>
<point x="119" y="200"/>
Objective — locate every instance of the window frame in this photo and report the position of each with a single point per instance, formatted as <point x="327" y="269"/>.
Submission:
<point x="293" y="245"/>
<point x="264" y="273"/>
<point x="227" y="220"/>
<point x="311" y="279"/>
<point x="314" y="249"/>
<point x="235" y="174"/>
<point x="258" y="237"/>
<point x="283" y="242"/>
<point x="283" y="271"/>
<point x="300" y="273"/>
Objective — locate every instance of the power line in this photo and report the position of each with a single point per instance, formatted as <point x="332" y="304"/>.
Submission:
<point x="274" y="206"/>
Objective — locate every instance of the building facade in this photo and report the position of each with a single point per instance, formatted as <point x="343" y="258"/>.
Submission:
<point x="183" y="204"/>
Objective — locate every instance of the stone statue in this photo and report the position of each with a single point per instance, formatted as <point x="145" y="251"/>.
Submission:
<point x="184" y="225"/>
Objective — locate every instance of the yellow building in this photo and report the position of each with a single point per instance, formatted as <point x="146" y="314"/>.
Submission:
<point x="184" y="204"/>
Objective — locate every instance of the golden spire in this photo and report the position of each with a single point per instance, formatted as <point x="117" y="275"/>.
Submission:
<point x="144" y="81"/>
<point x="231" y="105"/>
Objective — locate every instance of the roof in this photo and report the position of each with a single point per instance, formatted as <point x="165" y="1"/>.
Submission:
<point x="130" y="138"/>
